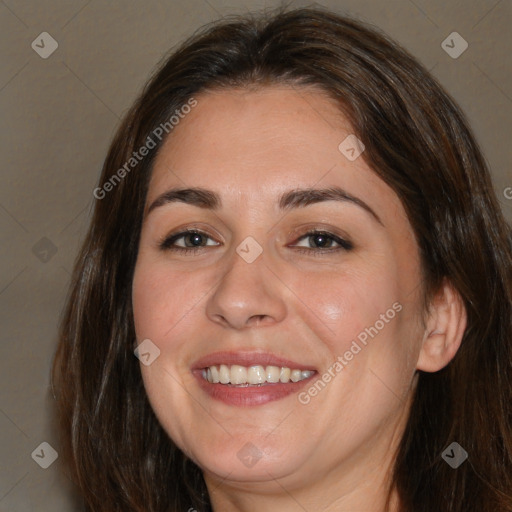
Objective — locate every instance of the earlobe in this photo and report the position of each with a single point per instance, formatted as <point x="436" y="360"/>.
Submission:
<point x="445" y="328"/>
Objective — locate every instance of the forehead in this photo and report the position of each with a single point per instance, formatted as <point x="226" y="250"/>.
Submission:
<point x="252" y="145"/>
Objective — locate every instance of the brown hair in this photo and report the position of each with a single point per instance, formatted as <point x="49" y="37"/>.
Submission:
<point x="419" y="143"/>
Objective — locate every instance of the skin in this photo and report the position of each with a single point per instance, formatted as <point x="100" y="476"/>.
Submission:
<point x="335" y="452"/>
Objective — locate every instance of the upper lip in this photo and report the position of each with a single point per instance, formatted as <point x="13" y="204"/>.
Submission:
<point x="248" y="358"/>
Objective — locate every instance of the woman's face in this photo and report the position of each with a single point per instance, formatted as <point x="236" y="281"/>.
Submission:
<point x="262" y="289"/>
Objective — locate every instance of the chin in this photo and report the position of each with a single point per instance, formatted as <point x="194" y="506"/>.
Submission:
<point x="249" y="458"/>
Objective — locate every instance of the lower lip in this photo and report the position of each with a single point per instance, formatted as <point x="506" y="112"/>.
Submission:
<point x="250" y="395"/>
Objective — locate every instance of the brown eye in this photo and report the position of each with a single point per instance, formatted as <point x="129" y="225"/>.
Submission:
<point x="324" y="241"/>
<point x="191" y="239"/>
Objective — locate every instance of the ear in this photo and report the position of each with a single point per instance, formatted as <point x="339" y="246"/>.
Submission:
<point x="445" y="328"/>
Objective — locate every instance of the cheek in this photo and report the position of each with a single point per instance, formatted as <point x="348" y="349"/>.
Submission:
<point x="363" y="317"/>
<point x="162" y="304"/>
<point x="341" y="306"/>
<point x="162" y="297"/>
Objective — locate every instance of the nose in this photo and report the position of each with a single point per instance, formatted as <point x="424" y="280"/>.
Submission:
<point x="247" y="294"/>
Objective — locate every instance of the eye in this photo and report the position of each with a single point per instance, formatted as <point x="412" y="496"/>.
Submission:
<point x="313" y="242"/>
<point x="186" y="241"/>
<point x="322" y="241"/>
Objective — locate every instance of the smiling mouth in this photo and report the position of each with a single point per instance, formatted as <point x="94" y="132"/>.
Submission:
<point x="253" y="376"/>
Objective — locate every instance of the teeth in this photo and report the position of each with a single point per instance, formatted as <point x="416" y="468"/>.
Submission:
<point x="272" y="373"/>
<point x="214" y="375"/>
<point x="255" y="375"/>
<point x="237" y="375"/>
<point x="223" y="374"/>
<point x="284" y="375"/>
<point x="295" y="376"/>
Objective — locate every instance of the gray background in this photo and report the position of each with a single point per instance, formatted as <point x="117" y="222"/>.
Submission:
<point x="59" y="115"/>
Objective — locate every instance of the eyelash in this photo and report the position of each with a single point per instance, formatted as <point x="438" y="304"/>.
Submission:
<point x="166" y="243"/>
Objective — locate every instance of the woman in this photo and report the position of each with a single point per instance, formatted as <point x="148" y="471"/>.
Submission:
<point x="297" y="233"/>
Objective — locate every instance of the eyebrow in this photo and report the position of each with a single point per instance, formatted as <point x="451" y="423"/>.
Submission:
<point x="296" y="198"/>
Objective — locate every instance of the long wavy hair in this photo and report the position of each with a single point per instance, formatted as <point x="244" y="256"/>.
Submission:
<point x="418" y="142"/>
